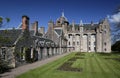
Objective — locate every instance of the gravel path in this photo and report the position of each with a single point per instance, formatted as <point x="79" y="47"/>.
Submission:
<point x="22" y="69"/>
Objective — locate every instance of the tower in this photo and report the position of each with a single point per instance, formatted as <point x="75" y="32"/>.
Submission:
<point x="25" y="23"/>
<point x="50" y="29"/>
<point x="35" y="27"/>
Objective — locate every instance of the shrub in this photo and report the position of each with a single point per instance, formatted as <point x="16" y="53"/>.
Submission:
<point x="4" y="66"/>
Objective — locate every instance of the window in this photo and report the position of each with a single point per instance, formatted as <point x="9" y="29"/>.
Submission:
<point x="58" y="21"/>
<point x="94" y="43"/>
<point x="94" y="48"/>
<point x="89" y="43"/>
<point x="69" y="43"/>
<point x="89" y="48"/>
<point x="77" y="43"/>
<point x="73" y="43"/>
<point x="105" y="49"/>
<point x="105" y="31"/>
<point x="105" y="44"/>
<point x="78" y="29"/>
<point x="81" y="29"/>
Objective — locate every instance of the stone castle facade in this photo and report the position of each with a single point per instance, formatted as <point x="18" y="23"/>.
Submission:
<point x="28" y="43"/>
<point x="92" y="37"/>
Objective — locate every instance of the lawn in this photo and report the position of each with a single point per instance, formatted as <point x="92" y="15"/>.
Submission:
<point x="79" y="65"/>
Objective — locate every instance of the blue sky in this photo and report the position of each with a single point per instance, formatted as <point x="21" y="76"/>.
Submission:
<point x="44" y="10"/>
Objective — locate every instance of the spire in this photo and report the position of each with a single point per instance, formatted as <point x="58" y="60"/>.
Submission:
<point x="81" y="23"/>
<point x="62" y="14"/>
<point x="50" y="21"/>
<point x="73" y="25"/>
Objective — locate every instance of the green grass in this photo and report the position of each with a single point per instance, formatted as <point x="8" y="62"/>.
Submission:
<point x="94" y="65"/>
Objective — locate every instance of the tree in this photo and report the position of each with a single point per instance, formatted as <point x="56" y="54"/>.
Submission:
<point x="116" y="46"/>
<point x="115" y="25"/>
<point x="3" y="64"/>
<point x="3" y="20"/>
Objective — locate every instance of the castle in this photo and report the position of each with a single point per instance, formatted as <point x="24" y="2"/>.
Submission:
<point x="25" y="44"/>
<point x="92" y="37"/>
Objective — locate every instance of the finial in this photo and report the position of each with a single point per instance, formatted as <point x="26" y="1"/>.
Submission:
<point x="81" y="23"/>
<point x="73" y="25"/>
<point x="63" y="14"/>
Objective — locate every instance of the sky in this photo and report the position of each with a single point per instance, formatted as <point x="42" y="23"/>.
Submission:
<point x="44" y="10"/>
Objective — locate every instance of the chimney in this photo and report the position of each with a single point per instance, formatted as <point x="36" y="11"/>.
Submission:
<point x="25" y="23"/>
<point x="35" y="27"/>
<point x="42" y="30"/>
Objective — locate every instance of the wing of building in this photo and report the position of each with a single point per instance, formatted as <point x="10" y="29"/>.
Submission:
<point x="25" y="45"/>
<point x="92" y="37"/>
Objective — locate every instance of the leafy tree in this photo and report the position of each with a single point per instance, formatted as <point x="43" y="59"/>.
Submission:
<point x="116" y="46"/>
<point x="3" y="64"/>
<point x="3" y="21"/>
<point x="115" y="29"/>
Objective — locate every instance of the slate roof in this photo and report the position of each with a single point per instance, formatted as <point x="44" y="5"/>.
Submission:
<point x="85" y="26"/>
<point x="41" y="39"/>
<point x="8" y="37"/>
<point x="88" y="26"/>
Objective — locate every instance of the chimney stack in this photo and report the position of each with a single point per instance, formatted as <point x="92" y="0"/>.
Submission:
<point x="35" y="27"/>
<point x="25" y="23"/>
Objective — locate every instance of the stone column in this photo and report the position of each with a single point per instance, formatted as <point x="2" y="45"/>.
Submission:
<point x="56" y="51"/>
<point x="24" y="53"/>
<point x="31" y="52"/>
<point x="38" y="49"/>
<point x="50" y="51"/>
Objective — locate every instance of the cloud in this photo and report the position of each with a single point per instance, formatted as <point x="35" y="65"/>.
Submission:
<point x="114" y="18"/>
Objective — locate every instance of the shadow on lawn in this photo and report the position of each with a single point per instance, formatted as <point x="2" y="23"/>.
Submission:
<point x="67" y="65"/>
<point x="116" y="59"/>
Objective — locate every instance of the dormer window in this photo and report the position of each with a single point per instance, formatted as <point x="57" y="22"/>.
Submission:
<point x="58" y="21"/>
